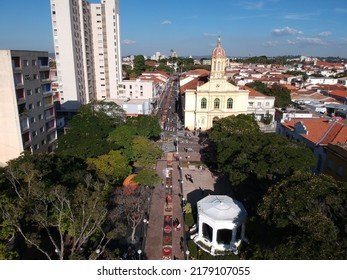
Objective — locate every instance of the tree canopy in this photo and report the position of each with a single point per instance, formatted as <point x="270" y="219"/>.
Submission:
<point x="54" y="221"/>
<point x="281" y="93"/>
<point x="243" y="152"/>
<point x="89" y="129"/>
<point x="310" y="213"/>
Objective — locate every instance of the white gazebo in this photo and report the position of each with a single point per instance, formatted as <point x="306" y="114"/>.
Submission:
<point x="221" y="224"/>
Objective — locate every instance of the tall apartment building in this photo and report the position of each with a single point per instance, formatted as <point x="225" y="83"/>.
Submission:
<point x="27" y="115"/>
<point x="87" y="49"/>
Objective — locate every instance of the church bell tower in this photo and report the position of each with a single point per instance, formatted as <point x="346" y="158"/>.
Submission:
<point x="218" y="62"/>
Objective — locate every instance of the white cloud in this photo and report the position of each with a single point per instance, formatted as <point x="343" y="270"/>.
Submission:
<point x="341" y="10"/>
<point x="270" y="44"/>
<point x="290" y="42"/>
<point x="210" y="34"/>
<point x="285" y="31"/>
<point x="166" y="22"/>
<point x="128" y="42"/>
<point x="325" y="34"/>
<point x="301" y="16"/>
<point x="253" y="5"/>
<point x="310" y="40"/>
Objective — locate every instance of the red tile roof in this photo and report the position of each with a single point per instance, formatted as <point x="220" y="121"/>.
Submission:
<point x="253" y="92"/>
<point x="339" y="93"/>
<point x="194" y="84"/>
<point x="320" y="130"/>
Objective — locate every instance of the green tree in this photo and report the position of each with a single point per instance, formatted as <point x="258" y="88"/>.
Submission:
<point x="147" y="177"/>
<point x="139" y="64"/>
<point x="57" y="221"/>
<point x="146" y="152"/>
<point x="243" y="152"/>
<point x="123" y="137"/>
<point x="282" y="95"/>
<point x="113" y="166"/>
<point x="89" y="129"/>
<point x="310" y="212"/>
<point x="259" y="86"/>
<point x="231" y="125"/>
<point x="146" y="126"/>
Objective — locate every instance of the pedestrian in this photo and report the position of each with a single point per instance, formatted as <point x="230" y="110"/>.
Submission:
<point x="167" y="201"/>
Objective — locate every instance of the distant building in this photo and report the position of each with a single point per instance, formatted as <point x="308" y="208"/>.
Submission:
<point x="336" y="161"/>
<point x="316" y="134"/>
<point x="27" y="115"/>
<point x="87" y="49"/>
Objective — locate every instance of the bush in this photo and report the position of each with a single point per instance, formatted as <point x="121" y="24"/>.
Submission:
<point x="189" y="219"/>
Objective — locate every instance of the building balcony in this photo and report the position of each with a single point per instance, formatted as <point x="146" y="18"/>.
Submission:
<point x="46" y="89"/>
<point x="43" y="63"/>
<point x="50" y="126"/>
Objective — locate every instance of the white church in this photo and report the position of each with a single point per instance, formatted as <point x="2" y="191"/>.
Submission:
<point x="218" y="98"/>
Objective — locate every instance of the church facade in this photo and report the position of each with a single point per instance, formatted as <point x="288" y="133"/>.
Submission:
<point x="215" y="99"/>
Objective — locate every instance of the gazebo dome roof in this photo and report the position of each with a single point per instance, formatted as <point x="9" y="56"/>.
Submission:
<point x="221" y="208"/>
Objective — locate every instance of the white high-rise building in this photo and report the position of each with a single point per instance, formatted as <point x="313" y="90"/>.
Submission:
<point x="87" y="49"/>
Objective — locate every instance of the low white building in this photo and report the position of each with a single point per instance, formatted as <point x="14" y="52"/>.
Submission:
<point x="322" y="80"/>
<point x="221" y="224"/>
<point x="134" y="107"/>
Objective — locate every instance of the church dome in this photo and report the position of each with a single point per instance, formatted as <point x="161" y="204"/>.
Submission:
<point x="218" y="51"/>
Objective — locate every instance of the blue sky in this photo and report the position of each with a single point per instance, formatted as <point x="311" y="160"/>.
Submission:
<point x="191" y="27"/>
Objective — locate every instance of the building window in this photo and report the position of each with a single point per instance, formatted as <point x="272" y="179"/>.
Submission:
<point x="31" y="106"/>
<point x="29" y="92"/>
<point x="267" y="104"/>
<point x="40" y="117"/>
<point x="340" y="171"/>
<point x="42" y="129"/>
<point x="32" y="120"/>
<point x="34" y="133"/>
<point x="33" y="62"/>
<point x="203" y="103"/>
<point x="230" y="103"/>
<point x="259" y="104"/>
<point x="38" y="104"/>
<point x="216" y="103"/>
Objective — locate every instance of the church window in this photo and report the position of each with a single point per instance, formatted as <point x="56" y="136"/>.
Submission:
<point x="214" y="66"/>
<point x="230" y="103"/>
<point x="216" y="103"/>
<point x="203" y="103"/>
<point x="218" y="65"/>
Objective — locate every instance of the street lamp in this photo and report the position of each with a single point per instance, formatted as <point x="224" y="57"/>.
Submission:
<point x="139" y="252"/>
<point x="187" y="254"/>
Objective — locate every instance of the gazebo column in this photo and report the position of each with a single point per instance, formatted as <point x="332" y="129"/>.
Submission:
<point x="214" y="237"/>
<point x="233" y="236"/>
<point x="200" y="234"/>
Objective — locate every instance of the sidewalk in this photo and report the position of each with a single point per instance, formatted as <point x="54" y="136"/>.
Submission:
<point x="155" y="230"/>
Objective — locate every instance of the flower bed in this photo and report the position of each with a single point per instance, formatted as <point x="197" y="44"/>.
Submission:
<point x="167" y="240"/>
<point x="167" y="251"/>
<point x="167" y="229"/>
